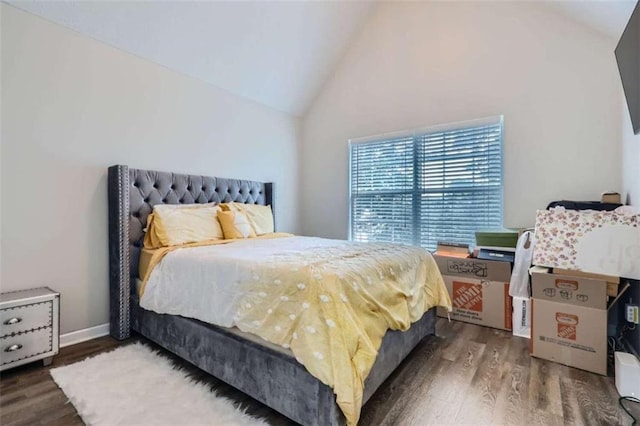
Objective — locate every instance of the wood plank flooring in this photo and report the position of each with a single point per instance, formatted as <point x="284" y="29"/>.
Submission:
<point x="467" y="375"/>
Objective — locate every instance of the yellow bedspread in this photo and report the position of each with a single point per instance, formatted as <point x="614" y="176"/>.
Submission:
<point x="333" y="306"/>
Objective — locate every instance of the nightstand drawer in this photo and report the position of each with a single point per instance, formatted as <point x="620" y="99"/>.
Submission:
<point x="26" y="345"/>
<point x="25" y="317"/>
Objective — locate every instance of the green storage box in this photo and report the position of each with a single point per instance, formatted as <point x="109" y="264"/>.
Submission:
<point x="497" y="238"/>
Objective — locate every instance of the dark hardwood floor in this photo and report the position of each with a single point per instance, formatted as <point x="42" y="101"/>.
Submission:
<point x="467" y="375"/>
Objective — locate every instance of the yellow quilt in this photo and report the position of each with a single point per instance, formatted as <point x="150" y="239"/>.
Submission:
<point x="333" y="306"/>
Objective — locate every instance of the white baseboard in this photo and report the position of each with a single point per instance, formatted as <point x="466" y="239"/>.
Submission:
<point x="83" y="335"/>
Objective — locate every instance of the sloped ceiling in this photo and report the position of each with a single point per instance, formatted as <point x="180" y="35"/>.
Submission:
<point x="609" y="17"/>
<point x="276" y="53"/>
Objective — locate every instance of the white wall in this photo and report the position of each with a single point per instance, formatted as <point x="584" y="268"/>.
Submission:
<point x="71" y="106"/>
<point x="419" y="64"/>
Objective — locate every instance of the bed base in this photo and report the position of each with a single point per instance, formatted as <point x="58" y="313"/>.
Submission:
<point x="270" y="376"/>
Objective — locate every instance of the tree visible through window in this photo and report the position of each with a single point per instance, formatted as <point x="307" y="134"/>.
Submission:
<point x="424" y="186"/>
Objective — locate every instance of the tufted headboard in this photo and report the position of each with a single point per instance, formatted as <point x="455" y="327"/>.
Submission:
<point x="132" y="195"/>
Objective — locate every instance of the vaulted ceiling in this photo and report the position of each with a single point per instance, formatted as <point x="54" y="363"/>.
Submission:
<point x="277" y="53"/>
<point x="606" y="16"/>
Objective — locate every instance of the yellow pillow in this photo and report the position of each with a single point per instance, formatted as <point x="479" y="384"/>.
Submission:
<point x="171" y="225"/>
<point x="235" y="225"/>
<point x="260" y="217"/>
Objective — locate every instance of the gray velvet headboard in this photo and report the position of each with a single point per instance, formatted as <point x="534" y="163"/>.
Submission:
<point x="132" y="195"/>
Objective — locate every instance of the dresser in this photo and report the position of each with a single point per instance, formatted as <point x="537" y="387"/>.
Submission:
<point x="29" y="324"/>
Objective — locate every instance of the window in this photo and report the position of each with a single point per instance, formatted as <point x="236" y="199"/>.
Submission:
<point x="424" y="186"/>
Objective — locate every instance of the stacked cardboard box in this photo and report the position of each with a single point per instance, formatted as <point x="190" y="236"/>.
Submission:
<point x="569" y="319"/>
<point x="612" y="282"/>
<point x="479" y="290"/>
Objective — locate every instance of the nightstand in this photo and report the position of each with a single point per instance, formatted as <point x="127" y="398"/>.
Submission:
<point x="29" y="323"/>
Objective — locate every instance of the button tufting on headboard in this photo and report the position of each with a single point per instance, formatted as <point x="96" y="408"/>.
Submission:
<point x="149" y="188"/>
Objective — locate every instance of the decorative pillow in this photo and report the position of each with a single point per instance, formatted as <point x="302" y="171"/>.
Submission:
<point x="260" y="217"/>
<point x="235" y="225"/>
<point x="171" y="225"/>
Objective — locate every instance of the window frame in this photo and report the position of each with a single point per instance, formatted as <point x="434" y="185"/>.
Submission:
<point x="417" y="191"/>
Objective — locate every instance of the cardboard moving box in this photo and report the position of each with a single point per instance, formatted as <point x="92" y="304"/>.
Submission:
<point x="569" y="318"/>
<point x="488" y="270"/>
<point x="570" y="334"/>
<point x="612" y="282"/>
<point x="479" y="302"/>
<point x="574" y="290"/>
<point x="479" y="290"/>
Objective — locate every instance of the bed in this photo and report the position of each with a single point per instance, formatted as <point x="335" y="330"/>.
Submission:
<point x="267" y="372"/>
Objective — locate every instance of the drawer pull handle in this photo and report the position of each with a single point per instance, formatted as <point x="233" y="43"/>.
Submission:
<point x="13" y="348"/>
<point x="12" y="321"/>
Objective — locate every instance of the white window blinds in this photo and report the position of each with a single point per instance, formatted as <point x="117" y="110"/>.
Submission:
<point x="429" y="185"/>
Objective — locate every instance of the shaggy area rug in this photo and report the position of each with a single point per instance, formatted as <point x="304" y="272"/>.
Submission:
<point x="135" y="385"/>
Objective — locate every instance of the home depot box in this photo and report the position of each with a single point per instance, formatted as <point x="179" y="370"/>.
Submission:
<point x="488" y="270"/>
<point x="612" y="282"/>
<point x="569" y="334"/>
<point x="479" y="290"/>
<point x="574" y="290"/>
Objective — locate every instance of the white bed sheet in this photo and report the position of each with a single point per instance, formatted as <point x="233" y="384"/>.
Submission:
<point x="207" y="283"/>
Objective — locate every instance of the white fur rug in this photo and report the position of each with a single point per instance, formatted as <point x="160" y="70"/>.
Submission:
<point x="134" y="385"/>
